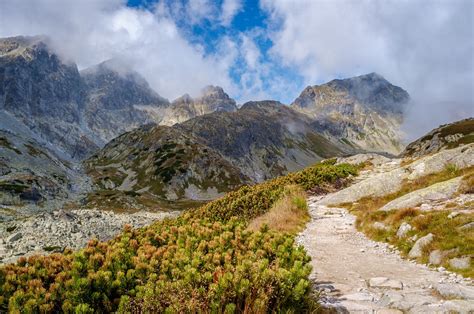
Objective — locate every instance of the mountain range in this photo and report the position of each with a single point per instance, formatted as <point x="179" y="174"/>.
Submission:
<point x="140" y="148"/>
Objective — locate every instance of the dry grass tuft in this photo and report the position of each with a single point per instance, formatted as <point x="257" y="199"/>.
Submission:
<point x="400" y="215"/>
<point x="467" y="185"/>
<point x="289" y="214"/>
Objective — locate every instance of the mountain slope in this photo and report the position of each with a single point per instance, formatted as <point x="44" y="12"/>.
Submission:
<point x="44" y="93"/>
<point x="206" y="156"/>
<point x="264" y="139"/>
<point x="156" y="164"/>
<point x="32" y="176"/>
<point x="444" y="137"/>
<point x="366" y="111"/>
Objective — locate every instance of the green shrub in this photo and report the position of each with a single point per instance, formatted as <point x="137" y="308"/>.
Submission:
<point x="203" y="261"/>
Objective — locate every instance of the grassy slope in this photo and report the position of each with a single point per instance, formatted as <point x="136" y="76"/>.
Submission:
<point x="447" y="232"/>
<point x="203" y="261"/>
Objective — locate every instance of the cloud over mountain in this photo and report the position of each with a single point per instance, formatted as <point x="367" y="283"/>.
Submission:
<point x="271" y="49"/>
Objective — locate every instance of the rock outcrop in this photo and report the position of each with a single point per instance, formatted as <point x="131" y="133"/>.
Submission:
<point x="441" y="191"/>
<point x="444" y="137"/>
<point x="212" y="99"/>
<point x="391" y="181"/>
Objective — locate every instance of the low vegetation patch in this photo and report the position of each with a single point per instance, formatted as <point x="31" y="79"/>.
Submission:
<point x="206" y="260"/>
<point x="289" y="214"/>
<point x="4" y="142"/>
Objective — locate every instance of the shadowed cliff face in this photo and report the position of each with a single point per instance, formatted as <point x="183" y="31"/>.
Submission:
<point x="81" y="111"/>
<point x="116" y="99"/>
<point x="44" y="93"/>
<point x="366" y="111"/>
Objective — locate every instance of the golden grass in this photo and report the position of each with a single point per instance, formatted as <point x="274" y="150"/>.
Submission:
<point x="467" y="184"/>
<point x="289" y="214"/>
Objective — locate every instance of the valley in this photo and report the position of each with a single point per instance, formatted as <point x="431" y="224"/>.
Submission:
<point x="96" y="126"/>
<point x="111" y="194"/>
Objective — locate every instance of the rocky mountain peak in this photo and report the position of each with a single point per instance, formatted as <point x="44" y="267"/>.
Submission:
<point x="374" y="91"/>
<point x="262" y="105"/>
<point x="22" y="45"/>
<point x="185" y="98"/>
<point x="366" y="110"/>
<point x="119" y="86"/>
<point x="213" y="98"/>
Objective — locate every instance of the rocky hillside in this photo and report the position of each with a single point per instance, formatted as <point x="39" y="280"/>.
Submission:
<point x="264" y="139"/>
<point x="32" y="176"/>
<point x="445" y="137"/>
<point x="206" y="156"/>
<point x="156" y="165"/>
<point x="364" y="111"/>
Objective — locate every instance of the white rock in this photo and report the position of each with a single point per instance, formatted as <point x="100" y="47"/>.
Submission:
<point x="436" y="257"/>
<point x="450" y="291"/>
<point x="460" y="262"/>
<point x="404" y="229"/>
<point x="453" y="214"/>
<point x="426" y="207"/>
<point x="417" y="249"/>
<point x="362" y="296"/>
<point x="380" y="226"/>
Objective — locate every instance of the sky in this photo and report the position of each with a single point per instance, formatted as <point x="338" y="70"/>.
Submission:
<point x="270" y="49"/>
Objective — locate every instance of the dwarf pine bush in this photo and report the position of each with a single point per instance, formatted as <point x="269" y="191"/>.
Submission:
<point x="203" y="261"/>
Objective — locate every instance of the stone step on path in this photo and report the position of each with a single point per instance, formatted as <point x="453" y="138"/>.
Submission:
<point x="357" y="275"/>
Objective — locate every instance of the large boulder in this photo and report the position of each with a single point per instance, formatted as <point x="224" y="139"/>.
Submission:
<point x="439" y="191"/>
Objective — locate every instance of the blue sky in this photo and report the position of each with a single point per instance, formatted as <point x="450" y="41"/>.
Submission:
<point x="248" y="20"/>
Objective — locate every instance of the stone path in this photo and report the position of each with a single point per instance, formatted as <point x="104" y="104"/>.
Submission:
<point x="357" y="275"/>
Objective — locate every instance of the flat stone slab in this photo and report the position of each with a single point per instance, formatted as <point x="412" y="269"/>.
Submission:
<point x="438" y="191"/>
<point x="384" y="282"/>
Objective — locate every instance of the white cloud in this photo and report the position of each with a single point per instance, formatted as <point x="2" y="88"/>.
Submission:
<point x="425" y="46"/>
<point x="89" y="32"/>
<point x="229" y="10"/>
